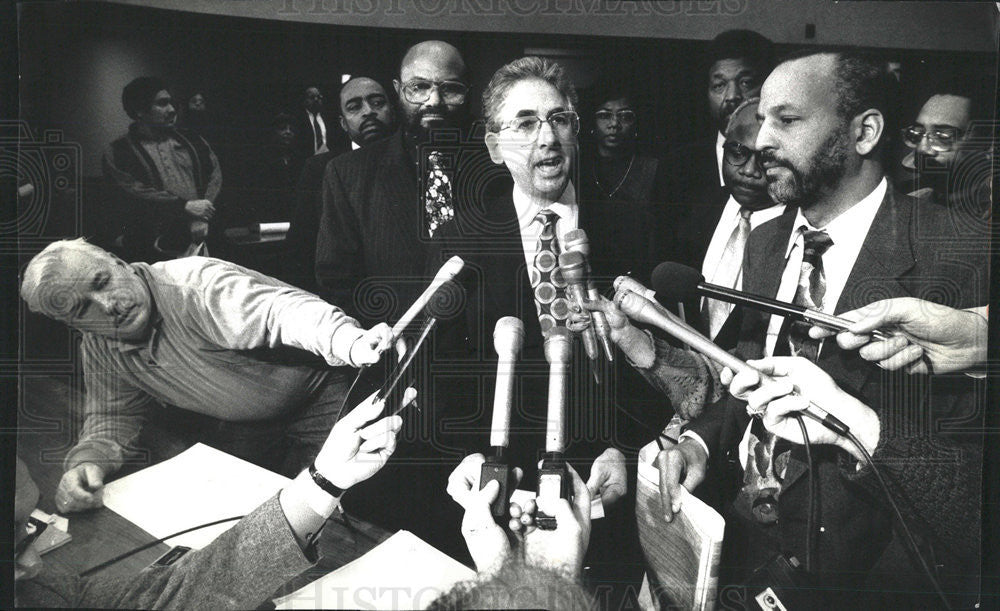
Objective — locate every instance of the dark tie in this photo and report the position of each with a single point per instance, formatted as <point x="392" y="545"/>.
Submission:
<point x="809" y="292"/>
<point x="438" y="205"/>
<point x="727" y="274"/>
<point x="318" y="134"/>
<point x="546" y="278"/>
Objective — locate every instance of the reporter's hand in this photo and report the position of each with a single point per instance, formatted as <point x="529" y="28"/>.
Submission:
<point x="487" y="542"/>
<point x="368" y="348"/>
<point x="80" y="488"/>
<point x="635" y="344"/>
<point x="355" y="449"/>
<point x="563" y="548"/>
<point x="779" y="406"/>
<point x="608" y="479"/>
<point x="952" y="340"/>
<point x="684" y="464"/>
<point x="200" y="209"/>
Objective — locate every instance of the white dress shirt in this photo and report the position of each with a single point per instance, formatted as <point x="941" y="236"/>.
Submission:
<point x="728" y="222"/>
<point x="527" y="208"/>
<point x="719" y="141"/>
<point x="317" y="119"/>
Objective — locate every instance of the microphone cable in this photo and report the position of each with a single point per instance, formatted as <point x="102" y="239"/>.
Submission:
<point x="810" y="539"/>
<point x="142" y="548"/>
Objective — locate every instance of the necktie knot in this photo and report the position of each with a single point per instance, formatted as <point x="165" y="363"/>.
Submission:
<point x="745" y="213"/>
<point x="816" y="242"/>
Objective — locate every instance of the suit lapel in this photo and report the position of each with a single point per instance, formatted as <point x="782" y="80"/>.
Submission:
<point x="397" y="182"/>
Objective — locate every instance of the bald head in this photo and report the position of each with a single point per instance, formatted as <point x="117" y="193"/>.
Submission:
<point x="432" y="87"/>
<point x="432" y="55"/>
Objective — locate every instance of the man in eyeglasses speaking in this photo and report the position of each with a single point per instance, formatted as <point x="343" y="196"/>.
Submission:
<point x="382" y="204"/>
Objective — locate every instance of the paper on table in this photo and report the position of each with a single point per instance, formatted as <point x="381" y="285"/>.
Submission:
<point x="274" y="227"/>
<point x="197" y="486"/>
<point x="403" y="572"/>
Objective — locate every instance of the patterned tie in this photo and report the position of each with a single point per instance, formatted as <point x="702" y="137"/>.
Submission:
<point x="546" y="278"/>
<point x="438" y="206"/>
<point x="810" y="291"/>
<point x="727" y="274"/>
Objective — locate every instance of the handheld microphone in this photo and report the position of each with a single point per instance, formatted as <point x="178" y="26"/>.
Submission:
<point x="640" y="309"/>
<point x="683" y="282"/>
<point x="572" y="265"/>
<point x="576" y="240"/>
<point x="448" y="271"/>
<point x="508" y="338"/>
<point x="554" y="481"/>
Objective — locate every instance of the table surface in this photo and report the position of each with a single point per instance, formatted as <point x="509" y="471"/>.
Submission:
<point x="43" y="439"/>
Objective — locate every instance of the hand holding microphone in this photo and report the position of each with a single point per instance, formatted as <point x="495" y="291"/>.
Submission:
<point x="792" y="381"/>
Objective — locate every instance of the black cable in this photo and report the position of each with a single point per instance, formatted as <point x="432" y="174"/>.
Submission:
<point x="812" y="506"/>
<point x="347" y="395"/>
<point x="141" y="548"/>
<point x="899" y="516"/>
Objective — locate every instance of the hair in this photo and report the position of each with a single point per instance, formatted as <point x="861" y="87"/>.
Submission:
<point x="747" y="102"/>
<point x="45" y="269"/>
<point x="964" y="85"/>
<point x="519" y="70"/>
<point x="282" y="119"/>
<point x="860" y="80"/>
<point x="610" y="88"/>
<point x="138" y="95"/>
<point x="517" y="585"/>
<point x="752" y="46"/>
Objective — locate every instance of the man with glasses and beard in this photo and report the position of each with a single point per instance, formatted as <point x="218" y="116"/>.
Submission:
<point x="383" y="203"/>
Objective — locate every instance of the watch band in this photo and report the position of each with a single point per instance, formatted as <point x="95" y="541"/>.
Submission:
<point x="325" y="485"/>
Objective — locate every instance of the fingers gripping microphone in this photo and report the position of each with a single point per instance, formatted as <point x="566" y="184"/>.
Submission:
<point x="683" y="282"/>
<point x="448" y="271"/>
<point x="508" y="338"/>
<point x="574" y="273"/>
<point x="553" y="478"/>
<point x="640" y="309"/>
<point x="576" y="240"/>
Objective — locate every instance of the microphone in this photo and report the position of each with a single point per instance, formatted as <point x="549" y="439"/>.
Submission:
<point x="508" y="338"/>
<point x="572" y="265"/>
<point x="683" y="282"/>
<point x="448" y="271"/>
<point x="640" y="309"/>
<point x="576" y="240"/>
<point x="554" y="481"/>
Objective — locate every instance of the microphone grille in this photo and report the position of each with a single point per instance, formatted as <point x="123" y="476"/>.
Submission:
<point x="678" y="281"/>
<point x="508" y="335"/>
<point x="572" y="265"/>
<point x="576" y="240"/>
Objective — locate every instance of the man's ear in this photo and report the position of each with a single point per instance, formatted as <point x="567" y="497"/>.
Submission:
<point x="397" y="86"/>
<point x="493" y="146"/>
<point x="870" y="126"/>
<point x="343" y="124"/>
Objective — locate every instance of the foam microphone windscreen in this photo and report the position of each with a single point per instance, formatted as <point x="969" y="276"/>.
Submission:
<point x="676" y="281"/>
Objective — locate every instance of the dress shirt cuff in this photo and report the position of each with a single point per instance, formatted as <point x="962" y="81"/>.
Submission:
<point x="697" y="439"/>
<point x="88" y="452"/>
<point x="342" y="341"/>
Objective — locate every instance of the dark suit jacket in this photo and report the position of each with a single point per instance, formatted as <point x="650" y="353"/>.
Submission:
<point x="300" y="244"/>
<point x="305" y="139"/>
<point x="909" y="251"/>
<point x="371" y="247"/>
<point x="694" y="200"/>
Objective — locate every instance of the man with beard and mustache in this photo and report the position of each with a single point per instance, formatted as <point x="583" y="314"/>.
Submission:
<point x="948" y="160"/>
<point x="165" y="180"/>
<point x="382" y="203"/>
<point x="846" y="238"/>
<point x="366" y="116"/>
<point x="738" y="62"/>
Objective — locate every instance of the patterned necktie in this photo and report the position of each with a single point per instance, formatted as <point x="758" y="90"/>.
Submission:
<point x="438" y="207"/>
<point x="727" y="273"/>
<point x="810" y="291"/>
<point x="546" y="278"/>
<point x="318" y="144"/>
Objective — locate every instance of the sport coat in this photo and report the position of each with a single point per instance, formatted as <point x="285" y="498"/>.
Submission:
<point x="920" y="251"/>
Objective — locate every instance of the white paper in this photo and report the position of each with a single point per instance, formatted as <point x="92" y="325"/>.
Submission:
<point x="403" y="572"/>
<point x="274" y="227"/>
<point x="199" y="485"/>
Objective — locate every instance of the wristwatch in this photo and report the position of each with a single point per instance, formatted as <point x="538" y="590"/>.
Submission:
<point x="324" y="484"/>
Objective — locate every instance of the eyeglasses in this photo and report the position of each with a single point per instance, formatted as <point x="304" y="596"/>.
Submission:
<point x="418" y="91"/>
<point x="606" y="117"/>
<point x="941" y="140"/>
<point x="736" y="154"/>
<point x="564" y="123"/>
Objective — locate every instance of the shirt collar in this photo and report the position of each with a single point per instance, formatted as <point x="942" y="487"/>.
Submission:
<point x="850" y="228"/>
<point x="527" y="208"/>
